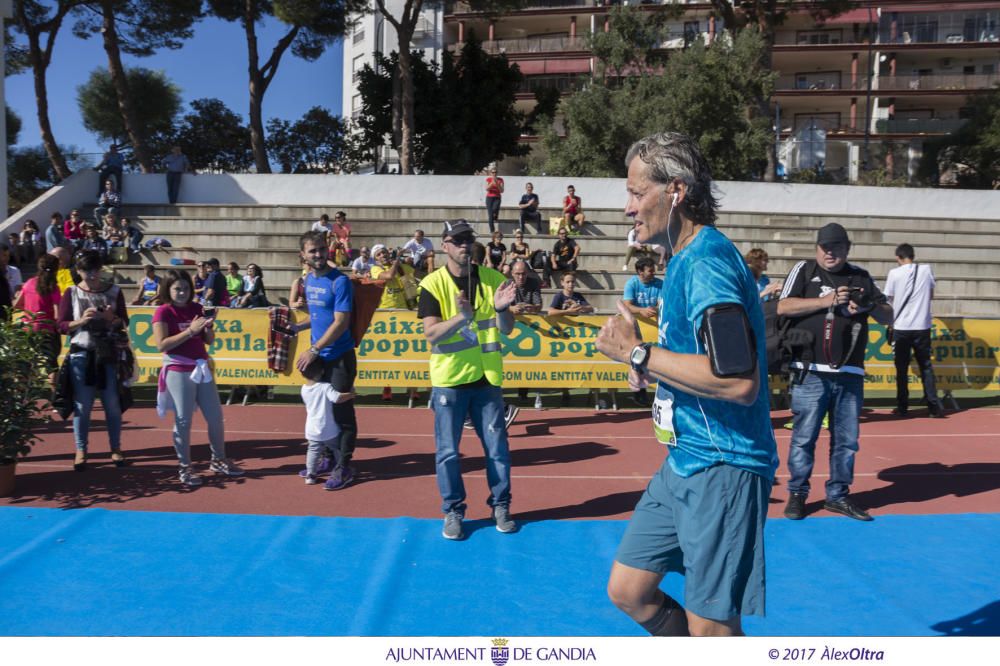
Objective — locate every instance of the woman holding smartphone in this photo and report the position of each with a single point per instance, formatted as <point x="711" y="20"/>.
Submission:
<point x="182" y="330"/>
<point x="93" y="314"/>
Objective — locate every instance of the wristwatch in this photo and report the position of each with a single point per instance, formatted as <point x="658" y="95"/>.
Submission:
<point x="314" y="351"/>
<point x="639" y="357"/>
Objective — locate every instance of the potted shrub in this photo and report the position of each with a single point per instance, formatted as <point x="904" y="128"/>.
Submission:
<point x="24" y="393"/>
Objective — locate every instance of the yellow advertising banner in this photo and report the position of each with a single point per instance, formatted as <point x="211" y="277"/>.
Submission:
<point x="542" y="352"/>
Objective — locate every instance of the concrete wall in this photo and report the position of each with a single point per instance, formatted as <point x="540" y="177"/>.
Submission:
<point x="343" y="191"/>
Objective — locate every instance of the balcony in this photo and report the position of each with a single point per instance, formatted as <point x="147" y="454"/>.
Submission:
<point x="818" y="82"/>
<point x="563" y="84"/>
<point x="936" y="82"/>
<point x="921" y="126"/>
<point x="529" y="45"/>
<point x="476" y="7"/>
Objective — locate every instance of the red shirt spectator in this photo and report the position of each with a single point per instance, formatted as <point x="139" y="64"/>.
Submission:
<point x="494" y="185"/>
<point x="178" y="318"/>
<point x="73" y="227"/>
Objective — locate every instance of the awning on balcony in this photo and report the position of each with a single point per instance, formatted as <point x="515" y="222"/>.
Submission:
<point x="554" y="66"/>
<point x="853" y="16"/>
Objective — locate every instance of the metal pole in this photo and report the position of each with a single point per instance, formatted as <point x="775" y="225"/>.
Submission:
<point x="777" y="137"/>
<point x="868" y="95"/>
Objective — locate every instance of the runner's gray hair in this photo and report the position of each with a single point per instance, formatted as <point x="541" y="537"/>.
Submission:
<point x="672" y="156"/>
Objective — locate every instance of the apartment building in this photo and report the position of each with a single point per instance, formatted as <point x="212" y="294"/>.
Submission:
<point x="871" y="84"/>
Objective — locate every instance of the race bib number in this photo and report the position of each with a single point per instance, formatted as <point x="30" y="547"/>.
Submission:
<point x="663" y="416"/>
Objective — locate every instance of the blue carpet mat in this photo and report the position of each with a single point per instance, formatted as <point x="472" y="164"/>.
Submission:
<point x="99" y="572"/>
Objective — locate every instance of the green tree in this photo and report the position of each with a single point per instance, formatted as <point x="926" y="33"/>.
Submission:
<point x="313" y="144"/>
<point x="214" y="138"/>
<point x="39" y="24"/>
<point x="970" y="156"/>
<point x="13" y="126"/>
<point x="311" y="26"/>
<point x="464" y="116"/>
<point x="30" y="172"/>
<point x="137" y="28"/>
<point x="704" y="91"/>
<point x="156" y="101"/>
<point x="765" y="16"/>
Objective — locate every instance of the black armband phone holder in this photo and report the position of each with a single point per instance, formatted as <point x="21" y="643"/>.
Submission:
<point x="729" y="340"/>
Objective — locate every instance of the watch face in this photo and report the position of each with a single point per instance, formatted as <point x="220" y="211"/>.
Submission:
<point x="639" y="355"/>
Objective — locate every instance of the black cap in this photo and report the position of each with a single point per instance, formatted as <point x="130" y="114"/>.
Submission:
<point x="455" y="228"/>
<point x="832" y="233"/>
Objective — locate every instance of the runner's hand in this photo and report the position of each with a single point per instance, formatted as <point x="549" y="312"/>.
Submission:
<point x="619" y="335"/>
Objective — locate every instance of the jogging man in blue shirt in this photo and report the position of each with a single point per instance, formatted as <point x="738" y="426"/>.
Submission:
<point x="703" y="512"/>
<point x="329" y="297"/>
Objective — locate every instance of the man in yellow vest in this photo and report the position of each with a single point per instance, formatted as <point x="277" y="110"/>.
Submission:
<point x="464" y="309"/>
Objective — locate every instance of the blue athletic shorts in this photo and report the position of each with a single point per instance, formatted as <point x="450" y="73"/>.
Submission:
<point x="709" y="527"/>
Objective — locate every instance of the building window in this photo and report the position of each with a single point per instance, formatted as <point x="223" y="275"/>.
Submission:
<point x="359" y="34"/>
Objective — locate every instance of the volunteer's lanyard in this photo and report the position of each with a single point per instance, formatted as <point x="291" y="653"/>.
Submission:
<point x="829" y="321"/>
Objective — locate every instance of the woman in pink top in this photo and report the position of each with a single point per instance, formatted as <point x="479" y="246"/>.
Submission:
<point x="39" y="299"/>
<point x="182" y="330"/>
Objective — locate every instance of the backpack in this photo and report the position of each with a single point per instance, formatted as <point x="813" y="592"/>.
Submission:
<point x="783" y="341"/>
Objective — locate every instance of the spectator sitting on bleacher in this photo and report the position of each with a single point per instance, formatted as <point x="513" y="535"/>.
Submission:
<point x="529" y="207"/>
<point x="112" y="231"/>
<point x="109" y="201"/>
<point x="421" y="250"/>
<point x="111" y="164"/>
<point x="642" y="291"/>
<point x="201" y="281"/>
<point x="216" y="293"/>
<point x="568" y="301"/>
<point x="12" y="274"/>
<point x="528" y="289"/>
<point x="32" y="243"/>
<point x="323" y="224"/>
<point x="16" y="252"/>
<point x="149" y="288"/>
<point x="572" y="209"/>
<point x="362" y="266"/>
<point x="54" y="232"/>
<point x="757" y="263"/>
<point x="518" y="249"/>
<point x="133" y="235"/>
<point x="634" y="247"/>
<point x="73" y="229"/>
<point x="92" y="241"/>
<point x="563" y="256"/>
<point x="496" y="252"/>
<point x="234" y="281"/>
<point x="253" y="294"/>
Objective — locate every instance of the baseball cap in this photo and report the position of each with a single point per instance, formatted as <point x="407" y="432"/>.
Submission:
<point x="832" y="233"/>
<point x="378" y="247"/>
<point x="455" y="228"/>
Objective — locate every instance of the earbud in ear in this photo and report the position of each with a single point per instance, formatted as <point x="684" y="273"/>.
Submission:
<point x="675" y="198"/>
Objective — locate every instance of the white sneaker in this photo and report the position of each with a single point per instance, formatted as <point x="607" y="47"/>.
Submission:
<point x="188" y="477"/>
<point x="311" y="480"/>
<point x="225" y="467"/>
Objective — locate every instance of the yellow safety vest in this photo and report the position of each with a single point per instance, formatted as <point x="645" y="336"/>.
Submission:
<point x="459" y="360"/>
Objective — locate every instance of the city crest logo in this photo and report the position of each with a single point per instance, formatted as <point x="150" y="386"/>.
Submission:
<point x="500" y="653"/>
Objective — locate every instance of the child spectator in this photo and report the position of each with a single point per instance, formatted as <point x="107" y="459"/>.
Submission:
<point x="201" y="281"/>
<point x="73" y="229"/>
<point x="324" y="225"/>
<point x="93" y="241"/>
<point x="109" y="201"/>
<point x="572" y="210"/>
<point x="322" y="431"/>
<point x="234" y="281"/>
<point x="496" y="252"/>
<point x="132" y="234"/>
<point x="568" y="301"/>
<point x="149" y="288"/>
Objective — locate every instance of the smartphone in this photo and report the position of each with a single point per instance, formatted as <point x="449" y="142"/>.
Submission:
<point x="209" y="313"/>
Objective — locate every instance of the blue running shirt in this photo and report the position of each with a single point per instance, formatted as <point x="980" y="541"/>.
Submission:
<point x="325" y="295"/>
<point x="643" y="295"/>
<point x="711" y="271"/>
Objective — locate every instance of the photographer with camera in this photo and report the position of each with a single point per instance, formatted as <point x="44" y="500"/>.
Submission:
<point x="391" y="267"/>
<point x="832" y="300"/>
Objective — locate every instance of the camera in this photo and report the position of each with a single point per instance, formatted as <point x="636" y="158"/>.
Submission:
<point x="861" y="298"/>
<point x="208" y="312"/>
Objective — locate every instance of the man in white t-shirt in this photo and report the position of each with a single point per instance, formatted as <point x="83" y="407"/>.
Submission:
<point x="422" y="251"/>
<point x="362" y="266"/>
<point x="323" y="224"/>
<point x="633" y="246"/>
<point x="910" y="288"/>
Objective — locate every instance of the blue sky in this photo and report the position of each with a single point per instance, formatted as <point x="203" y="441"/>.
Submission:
<point x="213" y="63"/>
